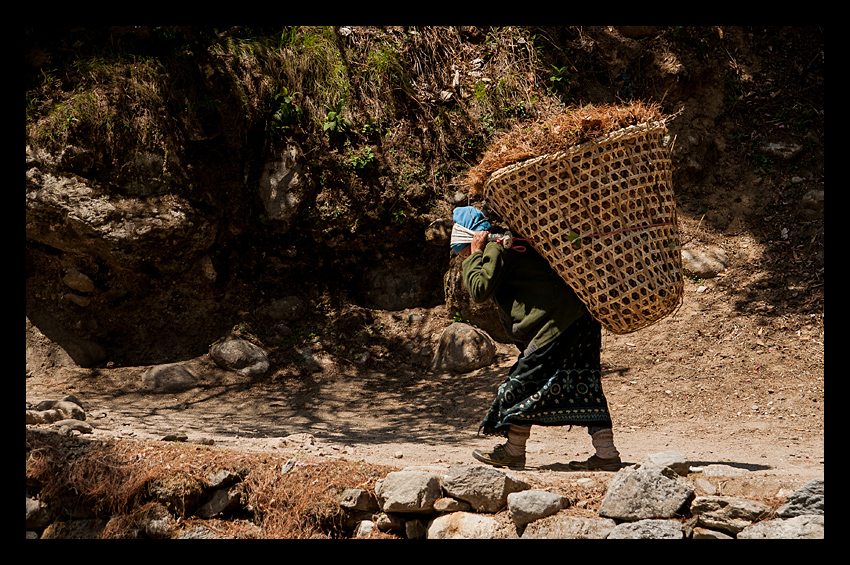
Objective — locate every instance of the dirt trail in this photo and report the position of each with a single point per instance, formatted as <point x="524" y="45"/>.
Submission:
<point x="759" y="409"/>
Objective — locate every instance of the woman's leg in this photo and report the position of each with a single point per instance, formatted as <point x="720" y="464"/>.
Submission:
<point x="510" y="454"/>
<point x="607" y="458"/>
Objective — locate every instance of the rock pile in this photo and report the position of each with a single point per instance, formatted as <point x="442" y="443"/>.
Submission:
<point x="653" y="500"/>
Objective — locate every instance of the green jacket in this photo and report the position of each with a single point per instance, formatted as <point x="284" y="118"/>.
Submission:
<point x="535" y="304"/>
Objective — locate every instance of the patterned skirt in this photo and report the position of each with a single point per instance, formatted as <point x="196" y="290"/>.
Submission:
<point x="557" y="385"/>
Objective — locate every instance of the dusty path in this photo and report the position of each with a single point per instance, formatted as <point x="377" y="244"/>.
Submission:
<point x="402" y="420"/>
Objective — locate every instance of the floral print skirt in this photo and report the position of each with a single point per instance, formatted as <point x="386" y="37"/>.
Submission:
<point x="557" y="385"/>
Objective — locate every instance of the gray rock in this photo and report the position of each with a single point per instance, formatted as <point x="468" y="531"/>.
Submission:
<point x="156" y="521"/>
<point x="645" y="492"/>
<point x="363" y="529"/>
<point x="415" y="529"/>
<point x="782" y="150"/>
<point x="800" y="527"/>
<point x="78" y="281"/>
<point x="672" y="459"/>
<point x="390" y="521"/>
<point x="37" y="515"/>
<point x="397" y="285"/>
<point x="462" y="349"/>
<point x="240" y="356"/>
<point x="448" y="504"/>
<point x="807" y="500"/>
<point x="285" y="187"/>
<point x="222" y="478"/>
<point x="358" y="499"/>
<point x="168" y="378"/>
<point x="486" y="489"/>
<point x="727" y="514"/>
<point x="530" y="505"/>
<point x="648" y="529"/>
<point x="128" y="233"/>
<point x="65" y="427"/>
<point x="719" y="470"/>
<point x="704" y="263"/>
<point x="408" y="491"/>
<point x="51" y="411"/>
<point x="464" y="525"/>
<point x="223" y="500"/>
<point x="561" y="526"/>
<point x="62" y="348"/>
<point x="813" y="200"/>
<point x="79" y="300"/>
<point x="705" y="533"/>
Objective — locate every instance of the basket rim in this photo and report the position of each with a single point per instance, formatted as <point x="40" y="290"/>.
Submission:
<point x="637" y="128"/>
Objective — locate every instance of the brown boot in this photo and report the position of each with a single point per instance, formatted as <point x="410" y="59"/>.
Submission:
<point x="499" y="457"/>
<point x="595" y="463"/>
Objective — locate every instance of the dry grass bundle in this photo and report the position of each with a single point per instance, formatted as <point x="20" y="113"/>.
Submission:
<point x="558" y="133"/>
<point x="84" y="475"/>
<point x="304" y="502"/>
<point x="122" y="478"/>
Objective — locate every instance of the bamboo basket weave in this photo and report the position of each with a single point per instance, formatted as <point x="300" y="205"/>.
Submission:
<point x="604" y="215"/>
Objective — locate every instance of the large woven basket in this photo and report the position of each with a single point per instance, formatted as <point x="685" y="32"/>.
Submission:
<point x="604" y="215"/>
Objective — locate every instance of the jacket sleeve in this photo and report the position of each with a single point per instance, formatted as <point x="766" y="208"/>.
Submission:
<point x="483" y="272"/>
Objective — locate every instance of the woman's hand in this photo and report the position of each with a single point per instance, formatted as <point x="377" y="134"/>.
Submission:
<point x="479" y="241"/>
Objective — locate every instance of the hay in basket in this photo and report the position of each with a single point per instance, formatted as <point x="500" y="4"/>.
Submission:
<point x="602" y="212"/>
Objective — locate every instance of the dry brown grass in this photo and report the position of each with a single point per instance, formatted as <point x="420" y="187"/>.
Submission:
<point x="117" y="478"/>
<point x="557" y="133"/>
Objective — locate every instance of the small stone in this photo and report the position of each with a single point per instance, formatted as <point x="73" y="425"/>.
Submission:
<point x="364" y="528"/>
<point x="448" y="504"/>
<point x="79" y="300"/>
<point x="719" y="470"/>
<point x="78" y="281"/>
<point x="67" y="426"/>
<point x="705" y="533"/>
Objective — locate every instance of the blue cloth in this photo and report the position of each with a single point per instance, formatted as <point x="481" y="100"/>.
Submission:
<point x="471" y="218"/>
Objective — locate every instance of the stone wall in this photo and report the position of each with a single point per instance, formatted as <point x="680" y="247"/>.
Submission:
<point x="656" y="499"/>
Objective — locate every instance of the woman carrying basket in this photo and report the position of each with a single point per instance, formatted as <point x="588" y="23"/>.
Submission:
<point x="556" y="380"/>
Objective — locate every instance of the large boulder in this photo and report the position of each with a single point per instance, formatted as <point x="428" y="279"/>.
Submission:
<point x="169" y="378"/>
<point x="240" y="356"/>
<point x="458" y="302"/>
<point x="408" y="491"/>
<point x="463" y="348"/>
<point x="70" y="213"/>
<point x="486" y="489"/>
<point x="285" y="187"/>
<point x="644" y="492"/>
